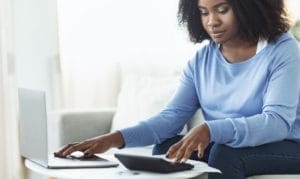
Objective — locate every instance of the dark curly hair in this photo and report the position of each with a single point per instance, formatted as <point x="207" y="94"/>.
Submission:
<point x="256" y="18"/>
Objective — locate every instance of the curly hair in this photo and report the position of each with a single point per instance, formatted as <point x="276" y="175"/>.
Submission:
<point x="256" y="18"/>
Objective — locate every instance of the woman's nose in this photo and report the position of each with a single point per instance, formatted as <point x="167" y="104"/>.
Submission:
<point x="213" y="20"/>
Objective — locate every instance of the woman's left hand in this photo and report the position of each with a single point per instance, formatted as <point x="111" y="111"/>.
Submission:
<point x="196" y="139"/>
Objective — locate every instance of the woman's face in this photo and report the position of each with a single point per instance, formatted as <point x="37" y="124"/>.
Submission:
<point x="218" y="20"/>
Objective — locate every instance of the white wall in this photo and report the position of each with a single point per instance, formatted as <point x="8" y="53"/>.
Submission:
<point x="293" y="7"/>
<point x="36" y="44"/>
<point x="95" y="35"/>
<point x="36" y="47"/>
<point x="93" y="30"/>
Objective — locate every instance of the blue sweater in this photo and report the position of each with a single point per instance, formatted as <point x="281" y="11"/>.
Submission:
<point x="244" y="104"/>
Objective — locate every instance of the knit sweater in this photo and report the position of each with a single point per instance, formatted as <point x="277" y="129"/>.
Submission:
<point x="244" y="104"/>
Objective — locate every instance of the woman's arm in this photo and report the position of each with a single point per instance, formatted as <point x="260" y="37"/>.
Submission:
<point x="279" y="109"/>
<point x="171" y="120"/>
<point x="94" y="145"/>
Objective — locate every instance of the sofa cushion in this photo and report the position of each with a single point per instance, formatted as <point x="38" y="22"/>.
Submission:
<point x="141" y="97"/>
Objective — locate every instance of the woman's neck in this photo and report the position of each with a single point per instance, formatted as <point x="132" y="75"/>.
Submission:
<point x="238" y="51"/>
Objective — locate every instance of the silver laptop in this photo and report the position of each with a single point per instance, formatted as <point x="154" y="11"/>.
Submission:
<point x="33" y="134"/>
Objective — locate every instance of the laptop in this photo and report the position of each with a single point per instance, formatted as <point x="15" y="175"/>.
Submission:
<point x="34" y="139"/>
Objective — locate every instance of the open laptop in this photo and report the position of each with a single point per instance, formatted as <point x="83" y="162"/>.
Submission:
<point x="33" y="134"/>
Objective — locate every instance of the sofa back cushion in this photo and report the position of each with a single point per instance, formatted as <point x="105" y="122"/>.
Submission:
<point x="142" y="97"/>
<point x="145" y="90"/>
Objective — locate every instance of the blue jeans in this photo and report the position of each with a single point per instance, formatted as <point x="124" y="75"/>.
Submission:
<point x="238" y="163"/>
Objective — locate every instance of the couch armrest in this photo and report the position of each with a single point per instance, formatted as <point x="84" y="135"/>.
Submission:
<point x="76" y="125"/>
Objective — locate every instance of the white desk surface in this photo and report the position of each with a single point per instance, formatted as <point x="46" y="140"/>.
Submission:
<point x="119" y="172"/>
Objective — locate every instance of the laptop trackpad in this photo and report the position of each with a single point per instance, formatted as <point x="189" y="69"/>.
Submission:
<point x="78" y="155"/>
<point x="77" y="162"/>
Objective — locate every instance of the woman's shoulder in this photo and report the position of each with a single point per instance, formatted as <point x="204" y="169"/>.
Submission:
<point x="207" y="46"/>
<point x="286" y="40"/>
<point x="206" y="55"/>
<point x="284" y="50"/>
<point x="206" y="49"/>
<point x="284" y="45"/>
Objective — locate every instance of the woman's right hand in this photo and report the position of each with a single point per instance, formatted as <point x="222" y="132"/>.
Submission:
<point x="94" y="145"/>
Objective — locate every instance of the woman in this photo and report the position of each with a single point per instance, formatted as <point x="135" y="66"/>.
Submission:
<point x="246" y="80"/>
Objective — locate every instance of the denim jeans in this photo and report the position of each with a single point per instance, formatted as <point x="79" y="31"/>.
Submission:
<point x="238" y="163"/>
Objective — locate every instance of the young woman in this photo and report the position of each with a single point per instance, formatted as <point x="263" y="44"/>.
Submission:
<point x="246" y="80"/>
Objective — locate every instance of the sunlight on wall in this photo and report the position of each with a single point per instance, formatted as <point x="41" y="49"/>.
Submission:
<point x="105" y="30"/>
<point x="293" y="6"/>
<point x="97" y="35"/>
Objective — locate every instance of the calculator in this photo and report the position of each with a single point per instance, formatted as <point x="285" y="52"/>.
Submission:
<point x="152" y="164"/>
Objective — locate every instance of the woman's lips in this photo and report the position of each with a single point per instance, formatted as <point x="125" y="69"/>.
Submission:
<point x="216" y="34"/>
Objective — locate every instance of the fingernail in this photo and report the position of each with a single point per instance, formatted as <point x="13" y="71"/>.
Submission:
<point x="56" y="154"/>
<point x="176" y="161"/>
<point x="183" y="160"/>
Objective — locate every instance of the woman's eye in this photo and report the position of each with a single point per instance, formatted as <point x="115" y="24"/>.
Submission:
<point x="203" y="13"/>
<point x="223" y="10"/>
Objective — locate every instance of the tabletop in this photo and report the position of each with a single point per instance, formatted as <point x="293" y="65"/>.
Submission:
<point x="119" y="172"/>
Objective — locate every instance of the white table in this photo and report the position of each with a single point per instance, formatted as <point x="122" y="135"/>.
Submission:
<point x="119" y="172"/>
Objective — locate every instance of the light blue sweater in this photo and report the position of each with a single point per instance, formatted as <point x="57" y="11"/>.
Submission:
<point x="244" y="104"/>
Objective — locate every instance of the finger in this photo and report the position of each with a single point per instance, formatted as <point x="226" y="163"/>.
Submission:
<point x="173" y="150"/>
<point x="63" y="149"/>
<point x="179" y="154"/>
<point x="73" y="148"/>
<point x="90" y="151"/>
<point x="201" y="149"/>
<point x="188" y="152"/>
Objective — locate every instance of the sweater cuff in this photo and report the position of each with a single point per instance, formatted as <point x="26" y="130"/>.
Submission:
<point x="221" y="131"/>
<point x="139" y="135"/>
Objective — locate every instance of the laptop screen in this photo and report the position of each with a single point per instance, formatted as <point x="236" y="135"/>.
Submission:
<point x="33" y="125"/>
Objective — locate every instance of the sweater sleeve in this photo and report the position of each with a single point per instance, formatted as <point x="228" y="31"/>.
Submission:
<point x="171" y="120"/>
<point x="279" y="110"/>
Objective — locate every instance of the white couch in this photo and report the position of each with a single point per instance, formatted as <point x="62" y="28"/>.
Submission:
<point x="71" y="126"/>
